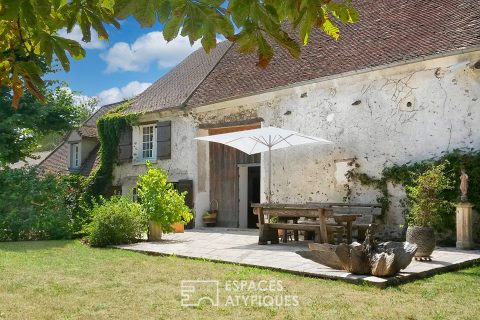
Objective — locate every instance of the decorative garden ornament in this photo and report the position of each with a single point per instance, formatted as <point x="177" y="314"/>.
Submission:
<point x="368" y="258"/>
<point x="464" y="186"/>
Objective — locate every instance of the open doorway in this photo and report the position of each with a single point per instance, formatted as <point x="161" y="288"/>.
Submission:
<point x="225" y="178"/>
<point x="248" y="193"/>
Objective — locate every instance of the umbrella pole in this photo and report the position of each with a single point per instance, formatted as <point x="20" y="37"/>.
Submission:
<point x="269" y="196"/>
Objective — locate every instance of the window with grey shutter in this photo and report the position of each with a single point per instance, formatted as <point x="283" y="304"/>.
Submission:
<point x="125" y="145"/>
<point x="164" y="139"/>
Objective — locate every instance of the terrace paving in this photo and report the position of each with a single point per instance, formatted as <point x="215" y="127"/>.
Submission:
<point x="240" y="247"/>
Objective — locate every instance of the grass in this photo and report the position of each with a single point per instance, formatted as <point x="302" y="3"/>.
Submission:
<point x="67" y="280"/>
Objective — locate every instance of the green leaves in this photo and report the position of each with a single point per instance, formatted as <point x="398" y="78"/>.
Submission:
<point x="161" y="202"/>
<point x="29" y="28"/>
<point x="327" y="26"/>
<point x="145" y="12"/>
<point x="343" y="12"/>
<point x="117" y="220"/>
<point x="426" y="195"/>
<point x="42" y="214"/>
<point x="28" y="36"/>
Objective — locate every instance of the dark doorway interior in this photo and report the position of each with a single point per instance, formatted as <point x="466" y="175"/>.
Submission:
<point x="253" y="194"/>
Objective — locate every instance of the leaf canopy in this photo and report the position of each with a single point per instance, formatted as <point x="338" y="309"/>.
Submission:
<point x="29" y="29"/>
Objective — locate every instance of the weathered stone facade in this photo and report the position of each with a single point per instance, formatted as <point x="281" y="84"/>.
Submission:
<point x="392" y="115"/>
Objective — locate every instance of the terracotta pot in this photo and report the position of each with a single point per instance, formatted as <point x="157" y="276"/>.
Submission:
<point x="154" y="231"/>
<point x="178" y="227"/>
<point x="424" y="238"/>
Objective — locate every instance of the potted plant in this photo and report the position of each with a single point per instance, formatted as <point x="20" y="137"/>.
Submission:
<point x="178" y="227"/>
<point x="210" y="217"/>
<point x="426" y="206"/>
<point x="163" y="205"/>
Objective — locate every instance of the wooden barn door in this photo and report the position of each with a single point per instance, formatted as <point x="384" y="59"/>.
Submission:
<point x="224" y="162"/>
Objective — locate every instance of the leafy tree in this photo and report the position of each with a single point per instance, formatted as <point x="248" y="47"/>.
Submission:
<point x="32" y="207"/>
<point x="29" y="28"/>
<point x="34" y="122"/>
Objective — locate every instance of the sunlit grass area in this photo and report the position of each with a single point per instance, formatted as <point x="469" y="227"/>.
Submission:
<point x="67" y="280"/>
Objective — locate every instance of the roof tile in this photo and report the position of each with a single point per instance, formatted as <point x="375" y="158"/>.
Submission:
<point x="175" y="87"/>
<point x="388" y="31"/>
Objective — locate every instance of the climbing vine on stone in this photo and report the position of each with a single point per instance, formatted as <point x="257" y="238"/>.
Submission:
<point x="110" y="127"/>
<point x="406" y="174"/>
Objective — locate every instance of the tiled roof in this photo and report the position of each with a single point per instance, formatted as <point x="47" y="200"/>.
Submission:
<point x="175" y="87"/>
<point x="389" y="31"/>
<point x="90" y="162"/>
<point x="92" y="121"/>
<point x="37" y="158"/>
<point x="87" y="132"/>
<point x="57" y="161"/>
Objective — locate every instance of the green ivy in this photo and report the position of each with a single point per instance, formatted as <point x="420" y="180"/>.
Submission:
<point x="109" y="127"/>
<point x="407" y="173"/>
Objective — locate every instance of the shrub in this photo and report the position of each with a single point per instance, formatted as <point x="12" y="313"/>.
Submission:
<point x="427" y="202"/>
<point x="117" y="220"/>
<point x="32" y="207"/>
<point x="161" y="202"/>
<point x="76" y="202"/>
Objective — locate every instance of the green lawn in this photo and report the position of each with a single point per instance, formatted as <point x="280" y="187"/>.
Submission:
<point x="67" y="280"/>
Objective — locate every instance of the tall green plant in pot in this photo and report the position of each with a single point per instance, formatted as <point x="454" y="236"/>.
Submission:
<point x="427" y="203"/>
<point x="163" y="204"/>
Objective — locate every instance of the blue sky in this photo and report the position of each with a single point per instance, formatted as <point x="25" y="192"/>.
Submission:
<point x="124" y="66"/>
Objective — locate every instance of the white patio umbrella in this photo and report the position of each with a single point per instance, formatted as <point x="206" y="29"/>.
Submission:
<point x="262" y="140"/>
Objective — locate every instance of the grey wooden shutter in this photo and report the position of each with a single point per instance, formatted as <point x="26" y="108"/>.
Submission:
<point x="164" y="139"/>
<point x="125" y="145"/>
<point x="187" y="185"/>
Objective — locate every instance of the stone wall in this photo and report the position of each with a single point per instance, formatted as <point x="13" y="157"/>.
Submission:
<point x="389" y="116"/>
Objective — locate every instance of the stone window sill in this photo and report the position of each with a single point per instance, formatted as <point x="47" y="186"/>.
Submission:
<point x="142" y="162"/>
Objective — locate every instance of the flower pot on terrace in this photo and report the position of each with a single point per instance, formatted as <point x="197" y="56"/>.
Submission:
<point x="178" y="227"/>
<point x="154" y="231"/>
<point x="424" y="238"/>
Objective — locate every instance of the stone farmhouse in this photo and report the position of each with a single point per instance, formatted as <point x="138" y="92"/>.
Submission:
<point x="401" y="85"/>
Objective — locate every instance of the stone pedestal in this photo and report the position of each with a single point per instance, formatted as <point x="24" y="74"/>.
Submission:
<point x="464" y="226"/>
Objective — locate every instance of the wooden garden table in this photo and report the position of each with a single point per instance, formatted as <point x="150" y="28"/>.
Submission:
<point x="286" y="212"/>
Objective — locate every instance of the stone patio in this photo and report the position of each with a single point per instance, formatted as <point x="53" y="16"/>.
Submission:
<point x="240" y="247"/>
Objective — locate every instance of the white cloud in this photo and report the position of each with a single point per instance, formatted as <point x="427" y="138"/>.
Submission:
<point x="76" y="35"/>
<point x="151" y="47"/>
<point x="78" y="98"/>
<point x="116" y="94"/>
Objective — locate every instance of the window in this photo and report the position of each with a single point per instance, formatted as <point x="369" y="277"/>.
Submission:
<point x="135" y="195"/>
<point x="75" y="155"/>
<point x="147" y="141"/>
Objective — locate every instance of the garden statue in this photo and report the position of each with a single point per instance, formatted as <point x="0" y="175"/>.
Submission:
<point x="464" y="217"/>
<point x="464" y="186"/>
